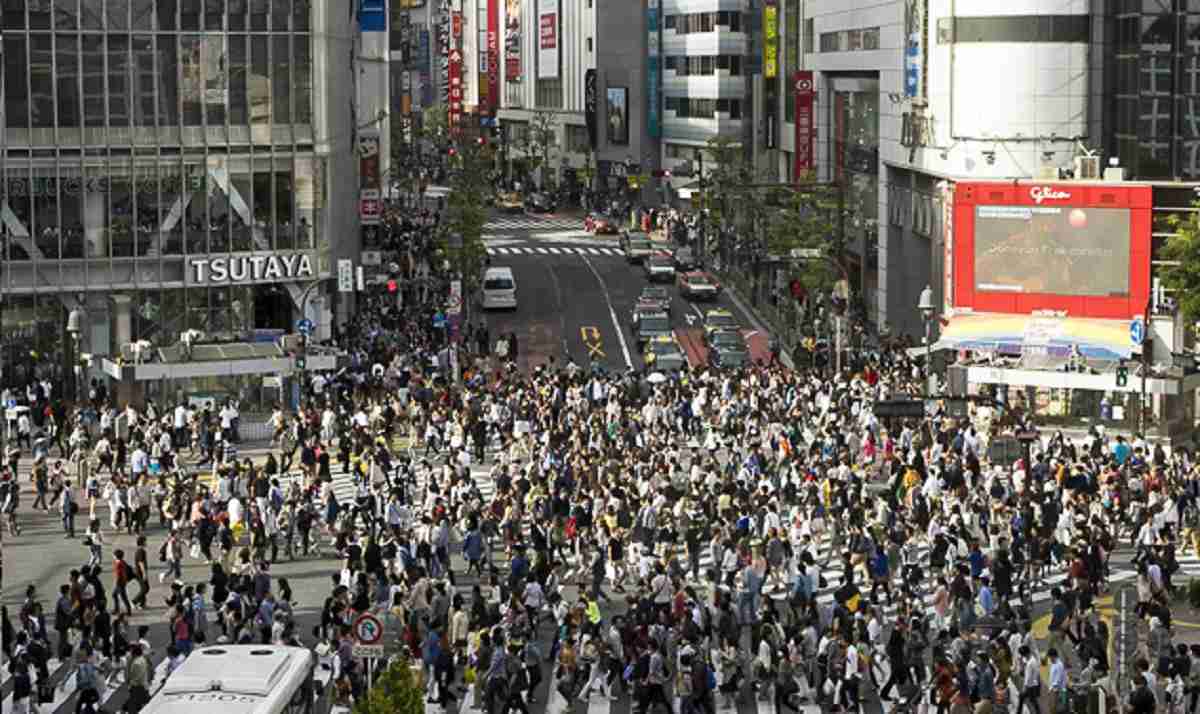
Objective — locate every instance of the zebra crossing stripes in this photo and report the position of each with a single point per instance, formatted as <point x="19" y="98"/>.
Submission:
<point x="553" y="250"/>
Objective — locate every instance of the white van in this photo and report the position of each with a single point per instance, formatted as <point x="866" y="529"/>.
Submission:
<point x="499" y="288"/>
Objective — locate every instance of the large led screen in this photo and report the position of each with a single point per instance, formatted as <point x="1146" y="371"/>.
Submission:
<point x="1052" y="250"/>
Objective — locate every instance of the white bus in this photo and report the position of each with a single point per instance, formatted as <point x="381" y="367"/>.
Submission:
<point x="239" y="679"/>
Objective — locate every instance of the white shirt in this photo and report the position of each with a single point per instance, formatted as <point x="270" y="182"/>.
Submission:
<point x="851" y="661"/>
<point x="180" y="416"/>
<point x="228" y="414"/>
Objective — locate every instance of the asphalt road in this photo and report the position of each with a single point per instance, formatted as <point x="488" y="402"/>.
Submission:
<point x="576" y="293"/>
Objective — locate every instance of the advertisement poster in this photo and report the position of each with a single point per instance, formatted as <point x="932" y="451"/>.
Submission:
<point x="806" y="129"/>
<point x="493" y="54"/>
<point x="653" y="68"/>
<point x="589" y="105"/>
<point x="547" y="39"/>
<point x="912" y="48"/>
<point x="618" y="115"/>
<point x="372" y="15"/>
<point x="947" y="191"/>
<point x="369" y="179"/>
<point x="770" y="39"/>
<point x="512" y="40"/>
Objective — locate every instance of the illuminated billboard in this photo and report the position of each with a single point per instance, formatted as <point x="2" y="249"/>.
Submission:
<point x="1078" y="248"/>
<point x="1052" y="249"/>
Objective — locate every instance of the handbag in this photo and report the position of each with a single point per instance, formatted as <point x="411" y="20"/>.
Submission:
<point x="195" y="551"/>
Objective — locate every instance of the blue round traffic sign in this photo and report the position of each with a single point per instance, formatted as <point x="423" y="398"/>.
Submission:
<point x="304" y="326"/>
<point x="1137" y="331"/>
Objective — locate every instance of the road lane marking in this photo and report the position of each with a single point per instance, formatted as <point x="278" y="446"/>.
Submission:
<point x="612" y="313"/>
<point x="592" y="340"/>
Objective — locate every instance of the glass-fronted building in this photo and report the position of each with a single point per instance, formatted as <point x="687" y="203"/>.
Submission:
<point x="162" y="167"/>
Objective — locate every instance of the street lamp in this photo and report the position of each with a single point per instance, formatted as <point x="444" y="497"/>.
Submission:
<point x="75" y="321"/>
<point x="925" y="305"/>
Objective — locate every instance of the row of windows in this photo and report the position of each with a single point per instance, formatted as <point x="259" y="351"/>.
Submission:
<point x="704" y="65"/>
<point x="1168" y="30"/>
<point x="122" y="209"/>
<point x="850" y="40"/>
<point x="704" y="22"/>
<point x="70" y="79"/>
<point x="704" y="108"/>
<point x="1015" y="28"/>
<point x="168" y="15"/>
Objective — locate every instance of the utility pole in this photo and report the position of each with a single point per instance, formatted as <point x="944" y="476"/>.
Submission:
<point x="1147" y="340"/>
<point x="703" y="251"/>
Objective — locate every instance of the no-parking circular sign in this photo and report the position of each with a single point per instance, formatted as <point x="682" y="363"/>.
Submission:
<point x="368" y="629"/>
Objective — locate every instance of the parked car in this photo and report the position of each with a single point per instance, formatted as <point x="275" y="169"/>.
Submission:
<point x="510" y="202"/>
<point x="659" y="268"/>
<point x="685" y="258"/>
<point x="540" y="202"/>
<point x="698" y="285"/>
<point x="727" y="349"/>
<point x="656" y="297"/>
<point x="649" y="324"/>
<point x="664" y="354"/>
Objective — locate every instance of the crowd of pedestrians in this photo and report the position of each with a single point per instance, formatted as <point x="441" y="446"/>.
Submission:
<point x="701" y="539"/>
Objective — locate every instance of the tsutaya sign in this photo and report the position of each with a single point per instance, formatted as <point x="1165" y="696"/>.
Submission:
<point x="249" y="268"/>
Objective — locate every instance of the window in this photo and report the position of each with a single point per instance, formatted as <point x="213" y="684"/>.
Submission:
<point x="669" y="22"/>
<point x="577" y="139"/>
<point x="808" y="35"/>
<point x="549" y="94"/>
<point x="829" y="42"/>
<point x="589" y="44"/>
<point x="1017" y="28"/>
<point x="870" y="38"/>
<point x="849" y="40"/>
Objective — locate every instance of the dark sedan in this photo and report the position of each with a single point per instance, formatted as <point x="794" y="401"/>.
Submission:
<point x="539" y="203"/>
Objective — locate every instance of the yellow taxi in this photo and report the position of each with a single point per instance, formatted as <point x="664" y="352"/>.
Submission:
<point x="510" y="202"/>
<point x="664" y="354"/>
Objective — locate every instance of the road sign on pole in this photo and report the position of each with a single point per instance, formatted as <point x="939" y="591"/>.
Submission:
<point x="345" y="275"/>
<point x="368" y="636"/>
<point x="305" y="326"/>
<point x="805" y="252"/>
<point x="1137" y="332"/>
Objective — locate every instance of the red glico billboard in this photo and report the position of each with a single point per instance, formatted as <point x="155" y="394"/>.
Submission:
<point x="1022" y="246"/>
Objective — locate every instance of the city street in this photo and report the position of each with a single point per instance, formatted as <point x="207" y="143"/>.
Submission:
<point x="576" y="294"/>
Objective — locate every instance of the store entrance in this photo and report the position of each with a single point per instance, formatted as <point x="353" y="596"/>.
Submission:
<point x="272" y="308"/>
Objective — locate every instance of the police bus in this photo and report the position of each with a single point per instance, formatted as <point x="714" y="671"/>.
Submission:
<point x="240" y="679"/>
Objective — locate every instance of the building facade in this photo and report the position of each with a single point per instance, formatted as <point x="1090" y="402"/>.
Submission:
<point x="170" y="165"/>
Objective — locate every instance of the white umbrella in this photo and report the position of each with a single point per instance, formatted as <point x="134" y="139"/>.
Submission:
<point x="656" y="378"/>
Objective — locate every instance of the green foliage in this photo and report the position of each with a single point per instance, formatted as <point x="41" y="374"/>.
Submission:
<point x="467" y="211"/>
<point x="396" y="691"/>
<point x="1182" y="278"/>
<point x="539" y="141"/>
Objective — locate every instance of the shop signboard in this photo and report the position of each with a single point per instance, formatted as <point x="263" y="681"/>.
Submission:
<point x="372" y="15"/>
<point x="248" y="268"/>
<point x="653" y="69"/>
<point x="805" y="94"/>
<point x="493" y="54"/>
<point x="455" y="107"/>
<point x="770" y="38"/>
<point x="370" y="211"/>
<point x="369" y="161"/>
<point x="589" y="105"/>
<point x="512" y="40"/>
<point x="547" y="39"/>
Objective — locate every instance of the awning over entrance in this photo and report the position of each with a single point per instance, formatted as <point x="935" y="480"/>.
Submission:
<point x="1052" y="336"/>
<point x="217" y="360"/>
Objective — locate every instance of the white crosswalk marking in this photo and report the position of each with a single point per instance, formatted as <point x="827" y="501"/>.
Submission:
<point x="553" y="250"/>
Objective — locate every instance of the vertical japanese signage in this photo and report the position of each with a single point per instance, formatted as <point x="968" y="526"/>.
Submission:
<point x="947" y="191"/>
<point x="512" y="40"/>
<point x="493" y="54"/>
<point x="444" y="34"/>
<point x="454" y="68"/>
<point x="770" y="38"/>
<point x="547" y="39"/>
<point x="653" y="69"/>
<point x="372" y="15"/>
<point x="805" y="91"/>
<point x="590" y="99"/>
<point x="913" y="19"/>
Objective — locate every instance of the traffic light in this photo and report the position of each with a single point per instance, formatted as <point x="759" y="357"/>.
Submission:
<point x="481" y="141"/>
<point x="301" y="362"/>
<point x="452" y="152"/>
<point x="1122" y="376"/>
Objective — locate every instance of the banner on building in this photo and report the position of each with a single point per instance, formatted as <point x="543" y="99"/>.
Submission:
<point x="444" y="30"/>
<point x="589" y="105"/>
<point x="372" y="15"/>
<point x="493" y="54"/>
<point x="454" y="108"/>
<point x="512" y="40"/>
<point x="617" y="115"/>
<point x="806" y="129"/>
<point x="913" y="19"/>
<point x="547" y="39"/>
<point x="770" y="39"/>
<point x="422" y="58"/>
<point x="653" y="69"/>
<point x="369" y="179"/>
